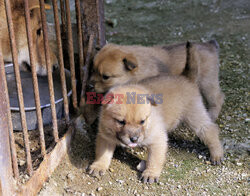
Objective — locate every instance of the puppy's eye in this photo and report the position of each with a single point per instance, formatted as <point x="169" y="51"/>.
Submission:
<point x="39" y="32"/>
<point x="142" y="122"/>
<point x="121" y="122"/>
<point x="104" y="77"/>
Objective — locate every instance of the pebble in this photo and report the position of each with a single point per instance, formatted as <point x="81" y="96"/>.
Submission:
<point x="120" y="181"/>
<point x="21" y="162"/>
<point x="239" y="164"/>
<point x="70" y="176"/>
<point x="111" y="170"/>
<point x="99" y="189"/>
<point x="179" y="186"/>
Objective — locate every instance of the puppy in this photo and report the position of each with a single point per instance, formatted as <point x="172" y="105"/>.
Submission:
<point x="140" y="115"/>
<point x="17" y="8"/>
<point x="116" y="64"/>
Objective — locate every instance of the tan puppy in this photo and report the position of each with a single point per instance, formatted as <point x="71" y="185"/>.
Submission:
<point x="139" y="115"/>
<point x="21" y="36"/>
<point x="116" y="64"/>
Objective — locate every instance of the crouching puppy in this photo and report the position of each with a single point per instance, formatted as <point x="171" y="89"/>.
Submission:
<point x="141" y="115"/>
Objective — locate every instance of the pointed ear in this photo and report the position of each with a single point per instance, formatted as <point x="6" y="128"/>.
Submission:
<point x="34" y="4"/>
<point x="130" y="62"/>
<point x="151" y="100"/>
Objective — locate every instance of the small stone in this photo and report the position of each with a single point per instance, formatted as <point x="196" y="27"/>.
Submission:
<point x="21" y="162"/>
<point x="83" y="194"/>
<point x="70" y="176"/>
<point x="89" y="182"/>
<point x="110" y="182"/>
<point x="179" y="186"/>
<point x="200" y="156"/>
<point x="111" y="170"/>
<point x="208" y="162"/>
<point x="120" y="181"/>
<point x="239" y="164"/>
<point x="141" y="166"/>
<point x="160" y="183"/>
<point x="99" y="189"/>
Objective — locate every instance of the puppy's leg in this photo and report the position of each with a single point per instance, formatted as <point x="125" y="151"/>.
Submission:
<point x="198" y="119"/>
<point x="211" y="91"/>
<point x="103" y="156"/>
<point x="155" y="162"/>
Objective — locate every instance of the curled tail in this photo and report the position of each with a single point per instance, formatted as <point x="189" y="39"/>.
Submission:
<point x="191" y="70"/>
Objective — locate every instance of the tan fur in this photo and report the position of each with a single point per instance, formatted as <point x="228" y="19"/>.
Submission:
<point x="118" y="123"/>
<point x="21" y="36"/>
<point x="154" y="61"/>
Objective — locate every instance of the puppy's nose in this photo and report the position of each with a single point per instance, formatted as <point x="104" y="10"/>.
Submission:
<point x="134" y="139"/>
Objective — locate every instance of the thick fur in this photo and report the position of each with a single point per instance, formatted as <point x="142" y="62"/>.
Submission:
<point x="116" y="64"/>
<point x="145" y="124"/>
<point x="21" y="36"/>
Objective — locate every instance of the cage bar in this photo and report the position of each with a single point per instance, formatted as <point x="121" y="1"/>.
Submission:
<point x="34" y="77"/>
<point x="61" y="61"/>
<point x="5" y="155"/>
<point x="71" y="54"/>
<point x="11" y="134"/>
<point x="86" y="68"/>
<point x="49" y="71"/>
<point x="19" y="85"/>
<point x="80" y="38"/>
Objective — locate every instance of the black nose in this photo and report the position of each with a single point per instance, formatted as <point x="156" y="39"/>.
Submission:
<point x="134" y="139"/>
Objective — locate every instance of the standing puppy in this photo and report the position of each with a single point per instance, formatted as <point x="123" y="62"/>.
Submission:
<point x="140" y="115"/>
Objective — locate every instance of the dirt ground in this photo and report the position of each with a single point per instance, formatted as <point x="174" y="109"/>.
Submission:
<point x="187" y="170"/>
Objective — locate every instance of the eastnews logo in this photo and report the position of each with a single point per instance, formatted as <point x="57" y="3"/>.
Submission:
<point x="131" y="98"/>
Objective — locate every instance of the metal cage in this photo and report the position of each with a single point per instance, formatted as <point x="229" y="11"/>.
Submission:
<point x="90" y="35"/>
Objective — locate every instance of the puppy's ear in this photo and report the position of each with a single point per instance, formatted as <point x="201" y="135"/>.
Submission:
<point x="151" y="100"/>
<point x="130" y="62"/>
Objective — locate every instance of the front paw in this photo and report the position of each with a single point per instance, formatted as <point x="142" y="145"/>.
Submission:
<point x="217" y="156"/>
<point x="97" y="170"/>
<point x="150" y="176"/>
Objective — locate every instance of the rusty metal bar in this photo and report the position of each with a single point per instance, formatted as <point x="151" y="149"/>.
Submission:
<point x="86" y="68"/>
<point x="100" y="23"/>
<point x="11" y="134"/>
<point x="49" y="71"/>
<point x="61" y="62"/>
<point x="34" y="77"/>
<point x="80" y="38"/>
<point x="71" y="55"/>
<point x="5" y="156"/>
<point x="19" y="86"/>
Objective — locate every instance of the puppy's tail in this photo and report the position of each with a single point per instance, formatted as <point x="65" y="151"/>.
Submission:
<point x="191" y="70"/>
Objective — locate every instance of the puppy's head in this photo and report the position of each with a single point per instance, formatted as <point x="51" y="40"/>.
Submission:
<point x="37" y="37"/>
<point x="112" y="67"/>
<point x="125" y="115"/>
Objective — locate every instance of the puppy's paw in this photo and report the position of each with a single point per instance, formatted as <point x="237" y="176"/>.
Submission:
<point x="217" y="157"/>
<point x="96" y="170"/>
<point x="149" y="176"/>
